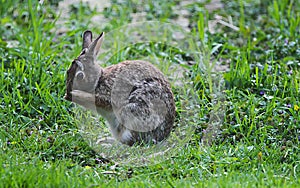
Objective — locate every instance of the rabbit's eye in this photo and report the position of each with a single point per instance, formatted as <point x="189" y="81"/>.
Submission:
<point x="79" y="75"/>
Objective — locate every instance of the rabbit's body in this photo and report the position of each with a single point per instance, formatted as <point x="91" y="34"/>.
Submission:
<point x="133" y="96"/>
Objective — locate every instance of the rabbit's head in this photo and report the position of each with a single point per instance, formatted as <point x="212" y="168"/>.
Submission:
<point x="84" y="72"/>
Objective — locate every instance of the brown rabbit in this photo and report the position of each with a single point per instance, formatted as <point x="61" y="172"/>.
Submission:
<point x="133" y="96"/>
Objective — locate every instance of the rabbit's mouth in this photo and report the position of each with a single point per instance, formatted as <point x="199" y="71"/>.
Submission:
<point x="68" y="97"/>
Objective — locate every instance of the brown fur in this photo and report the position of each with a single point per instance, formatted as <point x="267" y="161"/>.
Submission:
<point x="129" y="95"/>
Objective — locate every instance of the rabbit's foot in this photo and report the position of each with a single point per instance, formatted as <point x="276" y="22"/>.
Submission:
<point x="106" y="140"/>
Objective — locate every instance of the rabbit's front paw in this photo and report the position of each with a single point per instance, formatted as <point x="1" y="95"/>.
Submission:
<point x="84" y="98"/>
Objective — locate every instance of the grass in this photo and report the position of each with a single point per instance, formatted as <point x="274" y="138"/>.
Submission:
<point x="258" y="145"/>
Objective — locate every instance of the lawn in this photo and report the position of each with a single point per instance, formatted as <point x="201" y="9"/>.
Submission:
<point x="234" y="67"/>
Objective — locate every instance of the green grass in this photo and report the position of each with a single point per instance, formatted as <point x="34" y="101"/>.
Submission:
<point x="258" y="145"/>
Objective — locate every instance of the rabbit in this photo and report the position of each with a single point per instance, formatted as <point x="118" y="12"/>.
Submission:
<point x="133" y="96"/>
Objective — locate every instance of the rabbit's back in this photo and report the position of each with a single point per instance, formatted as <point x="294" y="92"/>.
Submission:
<point x="141" y="99"/>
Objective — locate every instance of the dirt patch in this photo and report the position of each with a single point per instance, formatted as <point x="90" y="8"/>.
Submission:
<point x="182" y="19"/>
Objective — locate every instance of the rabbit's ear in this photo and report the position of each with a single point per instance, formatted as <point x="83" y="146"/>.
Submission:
<point x="94" y="47"/>
<point x="87" y="39"/>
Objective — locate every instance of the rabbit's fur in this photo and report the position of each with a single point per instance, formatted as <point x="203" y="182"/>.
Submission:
<point x="133" y="96"/>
